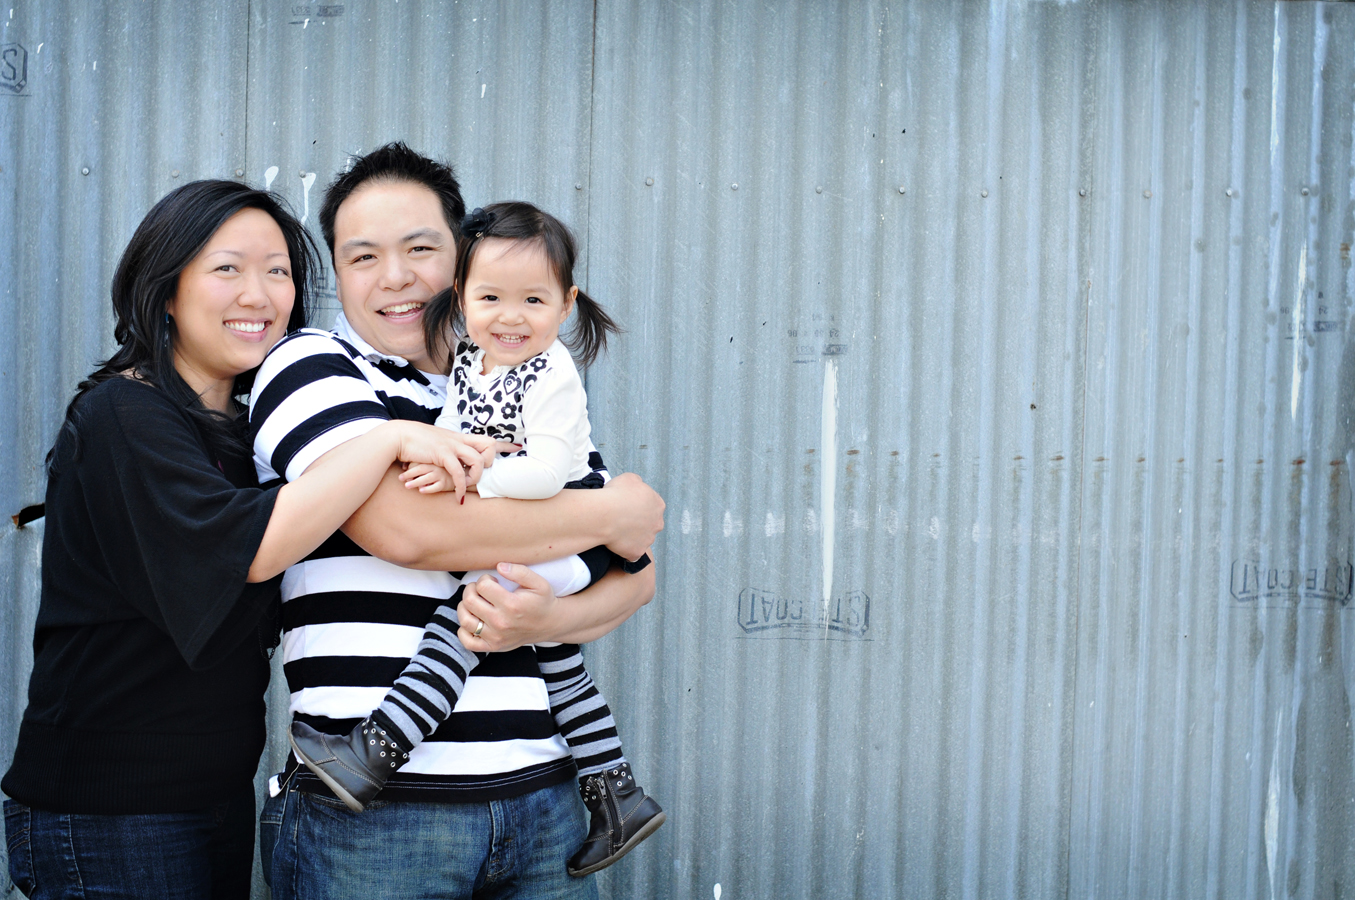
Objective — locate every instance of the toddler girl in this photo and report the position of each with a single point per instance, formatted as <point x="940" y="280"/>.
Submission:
<point x="512" y="380"/>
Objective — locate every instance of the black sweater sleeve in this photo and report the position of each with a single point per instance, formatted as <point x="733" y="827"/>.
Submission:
<point x="164" y="528"/>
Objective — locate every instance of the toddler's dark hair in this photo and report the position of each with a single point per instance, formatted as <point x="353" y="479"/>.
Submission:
<point x="517" y="221"/>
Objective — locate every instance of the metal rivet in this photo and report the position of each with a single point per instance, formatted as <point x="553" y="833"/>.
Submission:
<point x="818" y="189"/>
<point x="734" y="186"/>
<point x="577" y="186"/>
<point x="301" y="174"/>
<point x="983" y="193"/>
<point x="1228" y="193"/>
<point x="84" y="170"/>
<point x="174" y="173"/>
<point x="239" y="173"/>
<point x="1304" y="192"/>
<point x="649" y="182"/>
<point x="900" y="189"/>
<point x="1147" y="194"/>
<point x="1082" y="192"/>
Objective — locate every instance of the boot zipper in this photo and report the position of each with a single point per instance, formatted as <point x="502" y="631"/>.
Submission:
<point x="613" y="815"/>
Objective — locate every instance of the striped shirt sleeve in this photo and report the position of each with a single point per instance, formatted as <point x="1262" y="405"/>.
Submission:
<point x="309" y="397"/>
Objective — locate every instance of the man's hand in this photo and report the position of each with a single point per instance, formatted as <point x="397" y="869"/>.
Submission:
<point x="511" y="618"/>
<point x="637" y="515"/>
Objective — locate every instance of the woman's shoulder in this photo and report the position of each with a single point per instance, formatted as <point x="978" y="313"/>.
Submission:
<point x="124" y="404"/>
<point x="111" y="414"/>
<point x="124" y="392"/>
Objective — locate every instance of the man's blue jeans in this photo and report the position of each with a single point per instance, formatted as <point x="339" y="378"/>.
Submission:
<point x="314" y="848"/>
<point x="180" y="856"/>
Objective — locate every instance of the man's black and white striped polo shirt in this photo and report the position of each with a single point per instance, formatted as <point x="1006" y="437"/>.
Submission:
<point x="352" y="621"/>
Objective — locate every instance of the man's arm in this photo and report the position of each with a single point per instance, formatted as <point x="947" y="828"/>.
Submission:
<point x="433" y="531"/>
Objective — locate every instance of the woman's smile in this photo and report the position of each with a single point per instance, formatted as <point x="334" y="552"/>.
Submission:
<point x="232" y="305"/>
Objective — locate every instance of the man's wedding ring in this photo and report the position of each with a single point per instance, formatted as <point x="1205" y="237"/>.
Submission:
<point x="479" y="628"/>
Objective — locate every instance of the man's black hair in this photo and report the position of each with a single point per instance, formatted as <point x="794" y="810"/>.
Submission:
<point x="393" y="162"/>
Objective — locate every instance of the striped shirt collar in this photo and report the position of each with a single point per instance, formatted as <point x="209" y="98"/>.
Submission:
<point x="345" y="332"/>
<point x="395" y="367"/>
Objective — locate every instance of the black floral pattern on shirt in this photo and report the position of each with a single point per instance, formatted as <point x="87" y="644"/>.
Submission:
<point x="494" y="410"/>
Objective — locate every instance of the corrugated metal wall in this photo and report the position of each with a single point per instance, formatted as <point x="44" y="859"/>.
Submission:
<point x="995" y="360"/>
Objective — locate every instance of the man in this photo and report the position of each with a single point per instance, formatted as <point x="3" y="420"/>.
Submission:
<point x="487" y="804"/>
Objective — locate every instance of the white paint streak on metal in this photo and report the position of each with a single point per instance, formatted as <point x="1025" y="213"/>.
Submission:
<point x="1296" y="328"/>
<point x="1272" y="826"/>
<point x="307" y="181"/>
<point x="828" y="478"/>
<point x="268" y="175"/>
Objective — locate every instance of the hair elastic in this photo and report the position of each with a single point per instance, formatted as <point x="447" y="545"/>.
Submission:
<point x="476" y="223"/>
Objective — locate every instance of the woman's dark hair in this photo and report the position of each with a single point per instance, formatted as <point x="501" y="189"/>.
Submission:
<point x="147" y="279"/>
<point x="518" y="221"/>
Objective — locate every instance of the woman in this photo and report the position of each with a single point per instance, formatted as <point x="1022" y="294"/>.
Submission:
<point x="162" y="559"/>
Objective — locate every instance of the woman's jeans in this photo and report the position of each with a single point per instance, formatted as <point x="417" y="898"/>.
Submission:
<point x="203" y="853"/>
<point x="315" y="848"/>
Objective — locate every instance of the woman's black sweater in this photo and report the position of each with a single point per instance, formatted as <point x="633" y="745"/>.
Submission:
<point x="148" y="658"/>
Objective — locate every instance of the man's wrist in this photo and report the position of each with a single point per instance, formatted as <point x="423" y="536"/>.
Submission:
<point x="605" y="516"/>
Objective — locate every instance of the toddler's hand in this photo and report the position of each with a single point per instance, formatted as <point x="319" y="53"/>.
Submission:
<point x="456" y="457"/>
<point x="428" y="478"/>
